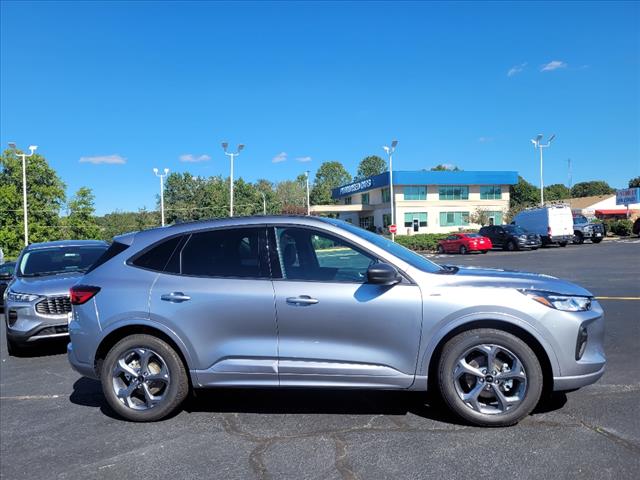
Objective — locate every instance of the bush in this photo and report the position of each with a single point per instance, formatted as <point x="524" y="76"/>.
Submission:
<point x="622" y="227"/>
<point x="421" y="241"/>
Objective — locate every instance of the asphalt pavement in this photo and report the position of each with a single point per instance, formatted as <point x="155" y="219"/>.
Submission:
<point x="55" y="424"/>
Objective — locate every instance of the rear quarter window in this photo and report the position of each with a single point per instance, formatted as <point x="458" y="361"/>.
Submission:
<point x="159" y="256"/>
<point x="114" y="249"/>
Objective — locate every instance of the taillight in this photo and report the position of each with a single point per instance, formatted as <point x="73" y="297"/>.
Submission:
<point x="82" y="294"/>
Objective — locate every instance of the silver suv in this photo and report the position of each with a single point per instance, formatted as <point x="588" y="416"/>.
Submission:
<point x="37" y="299"/>
<point x="316" y="302"/>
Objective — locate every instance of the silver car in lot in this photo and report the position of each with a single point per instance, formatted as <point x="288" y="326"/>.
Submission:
<point x="37" y="301"/>
<point x="319" y="303"/>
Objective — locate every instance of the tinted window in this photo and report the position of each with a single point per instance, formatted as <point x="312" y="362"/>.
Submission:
<point x="115" y="249"/>
<point x="7" y="268"/>
<point x="473" y="235"/>
<point x="158" y="256"/>
<point x="225" y="253"/>
<point x="310" y="255"/>
<point x="54" y="260"/>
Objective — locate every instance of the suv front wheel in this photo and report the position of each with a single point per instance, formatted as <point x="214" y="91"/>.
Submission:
<point x="143" y="378"/>
<point x="489" y="377"/>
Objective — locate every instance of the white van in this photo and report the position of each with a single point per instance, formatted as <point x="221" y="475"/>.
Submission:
<point x="554" y="224"/>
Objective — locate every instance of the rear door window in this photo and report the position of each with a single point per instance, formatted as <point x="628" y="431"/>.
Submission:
<point x="232" y="253"/>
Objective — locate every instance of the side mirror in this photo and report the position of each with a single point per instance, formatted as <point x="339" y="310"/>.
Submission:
<point x="5" y="276"/>
<point x="383" y="274"/>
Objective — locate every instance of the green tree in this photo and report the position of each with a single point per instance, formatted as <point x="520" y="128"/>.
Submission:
<point x="81" y="223"/>
<point x="588" y="189"/>
<point x="45" y="198"/>
<point x="480" y="216"/>
<point x="523" y="194"/>
<point x="556" y="191"/>
<point x="443" y="167"/>
<point x="634" y="182"/>
<point x="370" y="166"/>
<point x="329" y="176"/>
<point x="291" y="197"/>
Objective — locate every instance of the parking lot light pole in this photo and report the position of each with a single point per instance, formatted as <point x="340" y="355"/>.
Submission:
<point x="390" y="151"/>
<point x="24" y="156"/>
<point x="264" y="202"/>
<point x="231" y="157"/>
<point x="166" y="172"/>
<point x="308" y="204"/>
<point x="540" y="146"/>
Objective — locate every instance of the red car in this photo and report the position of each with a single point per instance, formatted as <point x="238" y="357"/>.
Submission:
<point x="464" y="243"/>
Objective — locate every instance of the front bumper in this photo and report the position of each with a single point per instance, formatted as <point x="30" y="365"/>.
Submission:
<point x="576" y="381"/>
<point x="26" y="325"/>
<point x="529" y="243"/>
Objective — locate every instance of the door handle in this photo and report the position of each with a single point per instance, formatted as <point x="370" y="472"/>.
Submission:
<point x="175" y="297"/>
<point x="302" y="300"/>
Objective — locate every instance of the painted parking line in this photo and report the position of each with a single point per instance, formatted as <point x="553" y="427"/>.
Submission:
<point x="31" y="397"/>
<point x="617" y="298"/>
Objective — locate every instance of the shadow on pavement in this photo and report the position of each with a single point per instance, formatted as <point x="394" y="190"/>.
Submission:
<point x="43" y="348"/>
<point x="88" y="392"/>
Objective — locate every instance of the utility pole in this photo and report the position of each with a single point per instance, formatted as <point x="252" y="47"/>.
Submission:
<point x="231" y="157"/>
<point x="308" y="204"/>
<point x="24" y="156"/>
<point x="166" y="172"/>
<point x="569" y="168"/>
<point x="390" y="151"/>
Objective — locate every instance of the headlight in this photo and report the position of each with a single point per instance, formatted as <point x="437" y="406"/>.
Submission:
<point x="566" y="303"/>
<point x="20" y="297"/>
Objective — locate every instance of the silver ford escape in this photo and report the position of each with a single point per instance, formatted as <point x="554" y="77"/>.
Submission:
<point x="316" y="302"/>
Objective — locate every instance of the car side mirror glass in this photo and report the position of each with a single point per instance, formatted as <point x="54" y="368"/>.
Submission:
<point x="383" y="274"/>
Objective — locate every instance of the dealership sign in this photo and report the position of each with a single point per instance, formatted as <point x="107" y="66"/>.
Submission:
<point x="376" y="181"/>
<point x="627" y="196"/>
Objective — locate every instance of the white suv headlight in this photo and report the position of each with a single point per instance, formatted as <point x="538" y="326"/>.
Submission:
<point x="566" y="303"/>
<point x="20" y="297"/>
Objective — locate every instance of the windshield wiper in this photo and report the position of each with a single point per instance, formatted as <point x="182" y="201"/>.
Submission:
<point x="448" y="270"/>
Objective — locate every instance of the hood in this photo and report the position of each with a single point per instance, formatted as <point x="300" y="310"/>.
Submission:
<point x="50" y="285"/>
<point x="490" y="277"/>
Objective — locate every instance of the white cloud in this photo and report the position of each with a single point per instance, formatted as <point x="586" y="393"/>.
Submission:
<point x="485" y="139"/>
<point x="281" y="157"/>
<point x="107" y="159"/>
<point x="191" y="158"/>
<point x="553" y="65"/>
<point x="304" y="159"/>
<point x="516" y="69"/>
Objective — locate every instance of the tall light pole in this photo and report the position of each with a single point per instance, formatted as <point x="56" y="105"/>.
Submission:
<point x="540" y="146"/>
<point x="161" y="176"/>
<point x="308" y="204"/>
<point x="32" y="149"/>
<point x="231" y="156"/>
<point x="390" y="151"/>
<point x="264" y="202"/>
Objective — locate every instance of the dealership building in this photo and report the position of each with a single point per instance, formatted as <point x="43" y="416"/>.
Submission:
<point x="424" y="201"/>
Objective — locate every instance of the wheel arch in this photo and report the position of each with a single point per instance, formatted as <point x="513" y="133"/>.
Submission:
<point x="120" y="332"/>
<point x="543" y="354"/>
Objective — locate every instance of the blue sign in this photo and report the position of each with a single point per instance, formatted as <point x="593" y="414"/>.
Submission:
<point x="376" y="181"/>
<point x="627" y="196"/>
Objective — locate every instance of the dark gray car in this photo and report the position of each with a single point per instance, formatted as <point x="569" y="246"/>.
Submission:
<point x="37" y="299"/>
<point x="313" y="302"/>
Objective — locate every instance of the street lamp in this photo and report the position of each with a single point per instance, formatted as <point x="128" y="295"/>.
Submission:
<point x="161" y="176"/>
<point x="390" y="151"/>
<point x="308" y="204"/>
<point x="231" y="156"/>
<point x="32" y="149"/>
<point x="540" y="146"/>
<point x="264" y="202"/>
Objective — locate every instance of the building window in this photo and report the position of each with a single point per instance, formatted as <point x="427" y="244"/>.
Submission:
<point x="454" y="192"/>
<point x="347" y="200"/>
<point x="454" y="219"/>
<point x="365" y="199"/>
<point x="386" y="195"/>
<point x="366" y="222"/>
<point x="386" y="220"/>
<point x="410" y="217"/>
<point x="495" y="217"/>
<point x="418" y="192"/>
<point x="490" y="192"/>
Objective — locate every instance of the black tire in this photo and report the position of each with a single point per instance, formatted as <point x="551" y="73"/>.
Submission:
<point x="440" y="249"/>
<point x="511" y="246"/>
<point x="463" y="250"/>
<point x="176" y="391"/>
<point x="13" y="349"/>
<point x="484" y="251"/>
<point x="466" y="341"/>
<point x="534" y="248"/>
<point x="563" y="244"/>
<point x="596" y="240"/>
<point x="578" y="238"/>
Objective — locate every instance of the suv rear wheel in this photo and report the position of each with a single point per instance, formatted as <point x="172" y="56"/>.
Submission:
<point x="143" y="378"/>
<point x="489" y="377"/>
<point x="578" y="238"/>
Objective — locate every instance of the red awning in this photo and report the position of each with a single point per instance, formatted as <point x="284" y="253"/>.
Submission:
<point x="614" y="211"/>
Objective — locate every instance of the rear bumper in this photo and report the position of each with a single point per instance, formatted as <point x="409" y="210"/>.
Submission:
<point x="84" y="369"/>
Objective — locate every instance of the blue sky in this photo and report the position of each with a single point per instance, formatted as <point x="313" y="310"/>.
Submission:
<point x="110" y="90"/>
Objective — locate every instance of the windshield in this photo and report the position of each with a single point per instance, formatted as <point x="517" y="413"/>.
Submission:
<point x="412" y="258"/>
<point x="6" y="269"/>
<point x="515" y="230"/>
<point x="49" y="261"/>
<point x="473" y="235"/>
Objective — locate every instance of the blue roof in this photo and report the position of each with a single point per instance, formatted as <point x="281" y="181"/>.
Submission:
<point x="428" y="177"/>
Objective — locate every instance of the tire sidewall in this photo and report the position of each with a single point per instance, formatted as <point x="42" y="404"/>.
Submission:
<point x="178" y="386"/>
<point x="466" y="340"/>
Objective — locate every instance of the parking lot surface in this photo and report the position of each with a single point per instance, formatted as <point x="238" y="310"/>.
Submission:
<point x="55" y="424"/>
